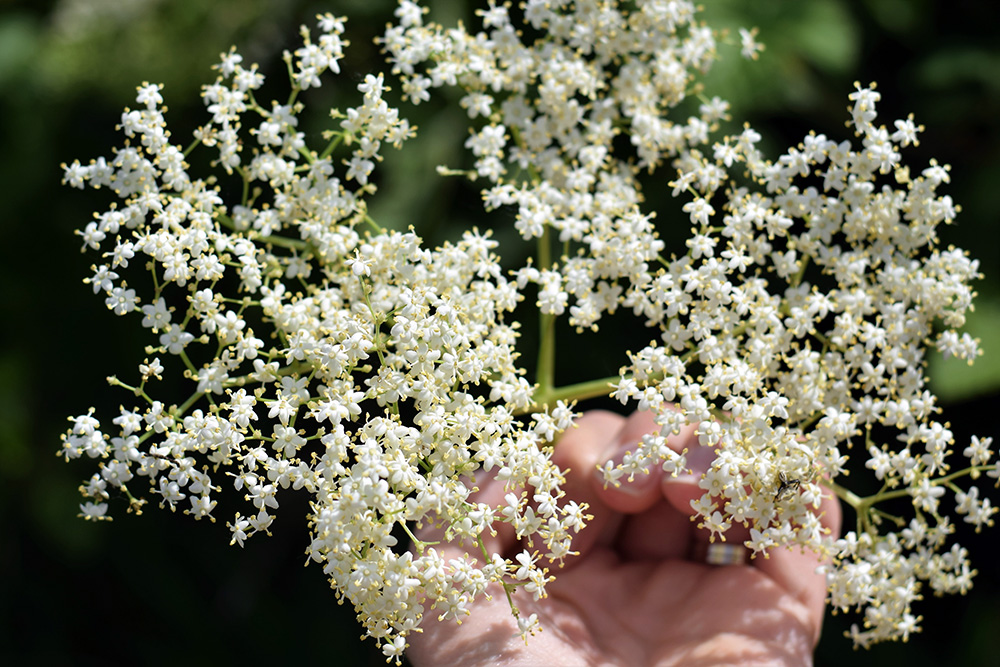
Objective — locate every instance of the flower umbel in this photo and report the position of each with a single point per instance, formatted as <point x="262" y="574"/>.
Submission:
<point x="328" y="355"/>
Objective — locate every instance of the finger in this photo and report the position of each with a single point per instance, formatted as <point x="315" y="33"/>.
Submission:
<point x="641" y="491"/>
<point x="577" y="453"/>
<point x="659" y="533"/>
<point x="500" y="538"/>
<point x="795" y="570"/>
<point x="659" y="522"/>
<point x="684" y="490"/>
<point x="664" y="530"/>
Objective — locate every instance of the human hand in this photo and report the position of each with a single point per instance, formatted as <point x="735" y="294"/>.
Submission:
<point x="635" y="595"/>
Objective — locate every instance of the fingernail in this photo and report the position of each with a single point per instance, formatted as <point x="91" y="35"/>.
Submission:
<point x="615" y="454"/>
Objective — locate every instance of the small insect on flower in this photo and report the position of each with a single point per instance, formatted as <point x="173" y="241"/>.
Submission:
<point x="786" y="486"/>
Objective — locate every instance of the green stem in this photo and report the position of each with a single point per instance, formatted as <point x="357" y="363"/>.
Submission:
<point x="548" y="394"/>
<point x="864" y="505"/>
<point x="545" y="249"/>
<point x="507" y="587"/>
<point x="848" y="496"/>
<point x="191" y="147"/>
<point x="545" y="374"/>
<point x="574" y="392"/>
<point x="187" y="361"/>
<point x="283" y="242"/>
<point x="376" y="320"/>
<point x="797" y="278"/>
<point x="335" y="140"/>
<point x="379" y="229"/>
<point x="545" y="371"/>
<point x="180" y="410"/>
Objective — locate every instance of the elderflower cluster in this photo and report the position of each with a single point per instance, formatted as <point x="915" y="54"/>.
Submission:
<point x="353" y="364"/>
<point x="333" y="357"/>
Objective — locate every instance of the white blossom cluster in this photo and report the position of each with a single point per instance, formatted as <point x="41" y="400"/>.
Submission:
<point x="358" y="366"/>
<point x="383" y="378"/>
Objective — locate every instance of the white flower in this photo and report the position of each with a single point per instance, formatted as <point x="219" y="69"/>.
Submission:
<point x="749" y="47"/>
<point x="94" y="511"/>
<point x="121" y="300"/>
<point x="157" y="315"/>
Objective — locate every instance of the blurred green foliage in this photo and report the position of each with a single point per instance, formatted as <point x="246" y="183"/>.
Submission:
<point x="160" y="589"/>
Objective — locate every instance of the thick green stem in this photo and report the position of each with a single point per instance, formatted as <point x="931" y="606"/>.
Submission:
<point x="545" y="249"/>
<point x="545" y="370"/>
<point x="545" y="373"/>
<point x="848" y="496"/>
<point x="573" y="392"/>
<point x="291" y="244"/>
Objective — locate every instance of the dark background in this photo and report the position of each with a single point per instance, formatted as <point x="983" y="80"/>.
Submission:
<point x="163" y="589"/>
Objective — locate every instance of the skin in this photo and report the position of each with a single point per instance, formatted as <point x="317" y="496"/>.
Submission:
<point x="639" y="592"/>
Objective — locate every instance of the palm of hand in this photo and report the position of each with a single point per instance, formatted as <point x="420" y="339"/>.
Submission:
<point x="631" y="598"/>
